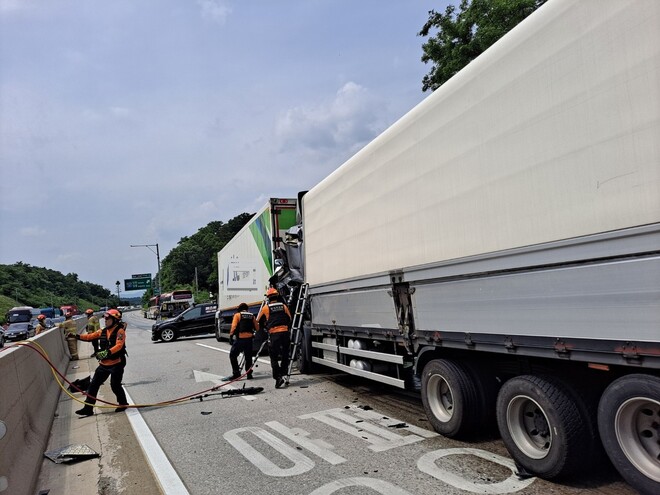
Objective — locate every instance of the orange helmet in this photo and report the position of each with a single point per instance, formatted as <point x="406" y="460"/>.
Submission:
<point x="113" y="313"/>
<point x="41" y="317"/>
<point x="89" y="311"/>
<point x="272" y="292"/>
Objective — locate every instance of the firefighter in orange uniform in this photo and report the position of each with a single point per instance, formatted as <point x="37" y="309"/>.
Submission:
<point x="277" y="322"/>
<point x="243" y="327"/>
<point x="68" y="326"/>
<point x="93" y="326"/>
<point x="112" y="361"/>
<point x="41" y="324"/>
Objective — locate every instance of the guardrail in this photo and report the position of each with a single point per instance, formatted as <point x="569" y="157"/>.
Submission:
<point x="29" y="396"/>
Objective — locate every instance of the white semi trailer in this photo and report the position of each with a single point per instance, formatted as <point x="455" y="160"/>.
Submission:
<point x="499" y="246"/>
<point x="247" y="262"/>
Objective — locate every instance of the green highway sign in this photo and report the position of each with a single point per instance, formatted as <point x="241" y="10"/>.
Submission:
<point x="137" y="283"/>
<point x="142" y="275"/>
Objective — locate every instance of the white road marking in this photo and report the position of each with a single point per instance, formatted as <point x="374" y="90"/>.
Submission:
<point x="316" y="446"/>
<point x="301" y="463"/>
<point x="381" y="439"/>
<point x="261" y="360"/>
<point x="379" y="486"/>
<point x="427" y="464"/>
<point x="163" y="470"/>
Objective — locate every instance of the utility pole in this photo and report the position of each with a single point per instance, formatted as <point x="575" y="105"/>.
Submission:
<point x="158" y="288"/>
<point x="118" y="284"/>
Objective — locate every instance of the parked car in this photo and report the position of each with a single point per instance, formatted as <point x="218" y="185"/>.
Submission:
<point x="2" y="337"/>
<point x="198" y="320"/>
<point x="19" y="331"/>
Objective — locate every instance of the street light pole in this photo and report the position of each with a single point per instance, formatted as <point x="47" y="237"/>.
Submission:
<point x="157" y="253"/>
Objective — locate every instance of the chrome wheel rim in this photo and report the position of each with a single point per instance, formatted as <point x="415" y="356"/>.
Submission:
<point x="529" y="427"/>
<point x="637" y="428"/>
<point x="167" y="335"/>
<point x="440" y="398"/>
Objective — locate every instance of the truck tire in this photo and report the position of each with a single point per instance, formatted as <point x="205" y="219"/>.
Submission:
<point x="167" y="335"/>
<point x="304" y="359"/>
<point x="217" y="332"/>
<point x="450" y="398"/>
<point x="629" y="424"/>
<point x="543" y="427"/>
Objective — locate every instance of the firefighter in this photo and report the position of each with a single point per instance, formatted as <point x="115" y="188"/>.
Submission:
<point x="93" y="326"/>
<point x="112" y="361"/>
<point x="68" y="326"/>
<point x="241" y="336"/>
<point x="277" y="320"/>
<point x="41" y="324"/>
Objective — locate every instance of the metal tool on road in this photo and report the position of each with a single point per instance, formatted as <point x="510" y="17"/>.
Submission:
<point x="233" y="392"/>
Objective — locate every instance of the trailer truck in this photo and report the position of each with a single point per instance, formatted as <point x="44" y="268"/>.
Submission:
<point x="247" y="263"/>
<point x="498" y="247"/>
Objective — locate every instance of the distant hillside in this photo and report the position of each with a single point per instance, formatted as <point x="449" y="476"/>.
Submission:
<point x="25" y="285"/>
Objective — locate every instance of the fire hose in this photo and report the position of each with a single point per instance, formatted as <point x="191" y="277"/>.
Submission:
<point x="34" y="346"/>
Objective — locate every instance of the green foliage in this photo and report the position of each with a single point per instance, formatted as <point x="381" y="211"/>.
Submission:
<point x="462" y="36"/>
<point x="6" y="303"/>
<point x="200" y="251"/>
<point x="42" y="287"/>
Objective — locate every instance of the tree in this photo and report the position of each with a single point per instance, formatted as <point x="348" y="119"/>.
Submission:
<point x="463" y="36"/>
<point x="21" y="283"/>
<point x="200" y="251"/>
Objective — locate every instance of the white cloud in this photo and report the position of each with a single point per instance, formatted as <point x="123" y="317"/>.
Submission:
<point x="136" y="120"/>
<point x="32" y="232"/>
<point x="121" y="111"/>
<point x="350" y="120"/>
<point x="214" y="10"/>
<point x="15" y="5"/>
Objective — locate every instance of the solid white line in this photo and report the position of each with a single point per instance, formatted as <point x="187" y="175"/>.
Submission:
<point x="211" y="347"/>
<point x="263" y="360"/>
<point x="165" y="473"/>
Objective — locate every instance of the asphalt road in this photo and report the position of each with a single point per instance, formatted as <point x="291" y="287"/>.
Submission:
<point x="325" y="433"/>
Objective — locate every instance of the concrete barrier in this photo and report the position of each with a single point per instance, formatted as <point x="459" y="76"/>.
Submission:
<point x="28" y="398"/>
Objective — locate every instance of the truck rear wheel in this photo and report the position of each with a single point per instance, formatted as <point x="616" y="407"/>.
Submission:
<point x="542" y="426"/>
<point x="450" y="398"/>
<point x="629" y="424"/>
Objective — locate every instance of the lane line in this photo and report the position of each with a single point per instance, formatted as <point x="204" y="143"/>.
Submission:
<point x="163" y="470"/>
<point x="232" y="387"/>
<point x="263" y="360"/>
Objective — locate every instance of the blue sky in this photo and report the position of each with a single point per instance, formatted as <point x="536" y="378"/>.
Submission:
<point x="140" y="121"/>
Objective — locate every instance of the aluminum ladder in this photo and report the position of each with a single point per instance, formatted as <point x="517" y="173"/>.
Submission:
<point x="296" y="327"/>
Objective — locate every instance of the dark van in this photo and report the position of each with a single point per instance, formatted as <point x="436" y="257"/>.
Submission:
<point x="20" y="314"/>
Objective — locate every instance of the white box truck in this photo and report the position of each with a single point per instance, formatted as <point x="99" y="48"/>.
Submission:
<point x="498" y="248"/>
<point x="247" y="262"/>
